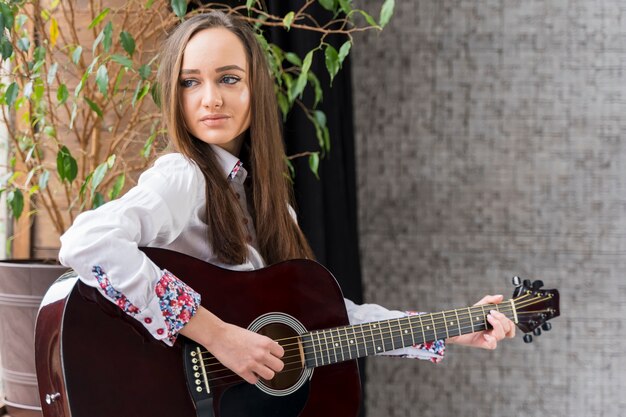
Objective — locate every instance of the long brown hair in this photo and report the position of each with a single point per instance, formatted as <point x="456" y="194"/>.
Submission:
<point x="279" y="238"/>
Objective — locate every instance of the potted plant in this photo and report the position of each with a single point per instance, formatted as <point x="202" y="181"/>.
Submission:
<point x="79" y="99"/>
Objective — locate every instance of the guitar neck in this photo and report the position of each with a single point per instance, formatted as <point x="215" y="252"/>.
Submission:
<point x="325" y="347"/>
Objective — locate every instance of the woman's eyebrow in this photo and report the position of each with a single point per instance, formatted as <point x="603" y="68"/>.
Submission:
<point x="228" y="68"/>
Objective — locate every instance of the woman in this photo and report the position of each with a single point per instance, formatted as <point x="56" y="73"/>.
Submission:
<point x="219" y="105"/>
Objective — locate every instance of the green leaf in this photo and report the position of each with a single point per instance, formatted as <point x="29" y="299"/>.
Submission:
<point x="328" y="4"/>
<point x="149" y="4"/>
<point x="62" y="94"/>
<point x="52" y="72"/>
<point x="111" y="161"/>
<point x="102" y="80"/>
<point x="369" y="19"/>
<point x="39" y="54"/>
<point x="147" y="147"/>
<point x="6" y="49"/>
<point x="128" y="43"/>
<point x="297" y="89"/>
<point x="67" y="167"/>
<point x="344" y="51"/>
<point x="98" y="175"/>
<point x="314" y="163"/>
<point x="145" y="71"/>
<point x="288" y="19"/>
<point x="386" y="12"/>
<point x="283" y="103"/>
<point x="43" y="179"/>
<point x="108" y="37"/>
<point x="99" y="18"/>
<point x="23" y="43"/>
<point x="94" y="107"/>
<point x="308" y="60"/>
<point x="98" y="200"/>
<point x="15" y="200"/>
<point x="249" y="4"/>
<point x="73" y="115"/>
<point x="117" y="186"/>
<point x="11" y="94"/>
<point x="346" y="6"/>
<point x="179" y="7"/>
<point x="140" y="91"/>
<point x="293" y="58"/>
<point x="76" y="54"/>
<point x="332" y="62"/>
<point x="122" y="60"/>
<point x="317" y="88"/>
<point x="20" y="20"/>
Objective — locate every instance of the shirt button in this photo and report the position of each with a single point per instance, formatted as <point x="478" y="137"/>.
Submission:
<point x="147" y="320"/>
<point x="160" y="331"/>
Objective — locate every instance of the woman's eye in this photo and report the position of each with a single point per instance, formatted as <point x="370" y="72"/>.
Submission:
<point x="187" y="83"/>
<point x="230" y="79"/>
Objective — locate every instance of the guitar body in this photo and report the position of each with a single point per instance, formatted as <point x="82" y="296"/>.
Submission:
<point x="95" y="361"/>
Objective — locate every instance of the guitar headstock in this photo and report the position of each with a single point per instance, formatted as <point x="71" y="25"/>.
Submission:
<point x="534" y="306"/>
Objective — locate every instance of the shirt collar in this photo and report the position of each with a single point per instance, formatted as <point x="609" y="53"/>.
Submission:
<point x="230" y="164"/>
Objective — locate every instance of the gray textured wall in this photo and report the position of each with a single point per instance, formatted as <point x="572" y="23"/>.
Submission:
<point x="490" y="143"/>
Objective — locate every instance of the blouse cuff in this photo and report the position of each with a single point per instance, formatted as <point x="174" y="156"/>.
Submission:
<point x="167" y="312"/>
<point x="433" y="351"/>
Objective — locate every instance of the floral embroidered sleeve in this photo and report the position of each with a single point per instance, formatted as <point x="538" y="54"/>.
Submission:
<point x="177" y="303"/>
<point x="433" y="351"/>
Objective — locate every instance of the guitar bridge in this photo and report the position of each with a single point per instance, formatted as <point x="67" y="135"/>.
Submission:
<point x="197" y="379"/>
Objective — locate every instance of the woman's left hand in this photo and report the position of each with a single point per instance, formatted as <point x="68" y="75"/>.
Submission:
<point x="488" y="339"/>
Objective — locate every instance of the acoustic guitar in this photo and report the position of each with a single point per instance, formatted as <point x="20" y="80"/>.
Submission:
<point x="95" y="361"/>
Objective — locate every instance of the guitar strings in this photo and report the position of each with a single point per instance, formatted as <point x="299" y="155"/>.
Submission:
<point x="286" y="359"/>
<point x="287" y="369"/>
<point x="207" y="361"/>
<point x="397" y="326"/>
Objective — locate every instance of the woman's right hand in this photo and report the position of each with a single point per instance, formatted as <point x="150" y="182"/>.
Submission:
<point x="248" y="354"/>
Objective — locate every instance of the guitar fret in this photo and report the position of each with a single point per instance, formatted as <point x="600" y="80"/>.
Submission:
<point x="393" y="345"/>
<point x="422" y="328"/>
<point x="348" y="342"/>
<point x="445" y="323"/>
<point x="364" y="340"/>
<point x="469" y="311"/>
<point x="434" y="327"/>
<point x="403" y="334"/>
<point x="334" y="345"/>
<point x="327" y="348"/>
<point x="356" y="343"/>
<point x="376" y="348"/>
<point x="458" y="321"/>
<point x="411" y="327"/>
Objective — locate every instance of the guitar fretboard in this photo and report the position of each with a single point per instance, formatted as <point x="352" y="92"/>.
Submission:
<point x="325" y="347"/>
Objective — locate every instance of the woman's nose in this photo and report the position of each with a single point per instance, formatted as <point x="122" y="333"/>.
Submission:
<point x="211" y="97"/>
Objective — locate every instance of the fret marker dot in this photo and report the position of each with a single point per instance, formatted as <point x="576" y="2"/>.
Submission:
<point x="427" y="327"/>
<point x="374" y="326"/>
<point x="406" y="332"/>
<point x="352" y="341"/>
<point x="379" y="348"/>
<point x="451" y="323"/>
<point x="336" y="344"/>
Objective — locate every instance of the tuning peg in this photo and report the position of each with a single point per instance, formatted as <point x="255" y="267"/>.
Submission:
<point x="517" y="281"/>
<point x="537" y="332"/>
<point x="537" y="284"/>
<point x="528" y="338"/>
<point x="527" y="283"/>
<point x="546" y="326"/>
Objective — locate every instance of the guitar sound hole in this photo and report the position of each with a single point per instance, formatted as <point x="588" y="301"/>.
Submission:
<point x="289" y="339"/>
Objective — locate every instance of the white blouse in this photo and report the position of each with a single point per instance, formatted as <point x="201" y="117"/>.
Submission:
<point x="166" y="209"/>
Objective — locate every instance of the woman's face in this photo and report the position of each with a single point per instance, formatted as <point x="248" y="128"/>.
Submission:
<point x="214" y="88"/>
